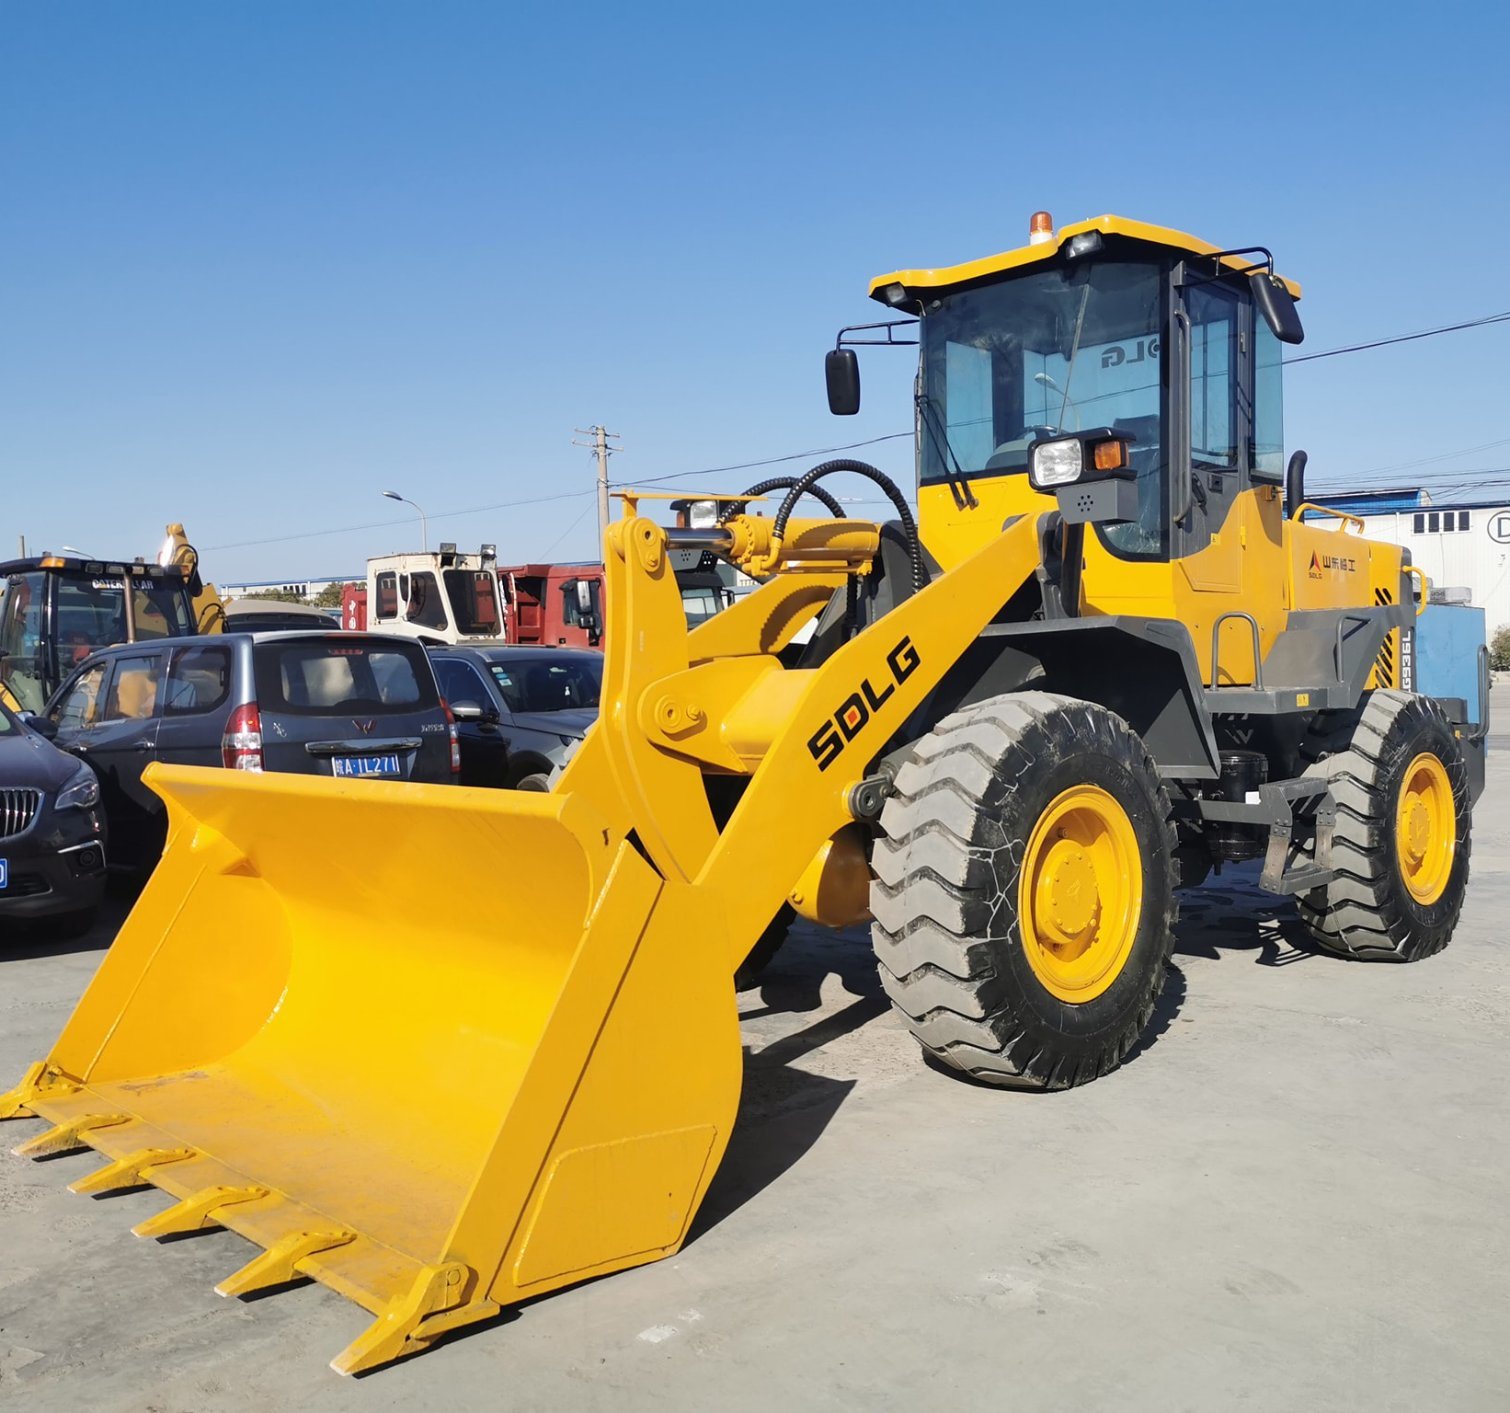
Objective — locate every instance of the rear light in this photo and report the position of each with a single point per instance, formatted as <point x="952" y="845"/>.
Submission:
<point x="445" y="706"/>
<point x="241" y="746"/>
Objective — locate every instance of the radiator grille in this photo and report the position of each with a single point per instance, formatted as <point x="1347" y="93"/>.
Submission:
<point x="17" y="810"/>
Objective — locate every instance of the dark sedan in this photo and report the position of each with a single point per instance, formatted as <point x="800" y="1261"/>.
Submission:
<point x="519" y="710"/>
<point x="52" y="833"/>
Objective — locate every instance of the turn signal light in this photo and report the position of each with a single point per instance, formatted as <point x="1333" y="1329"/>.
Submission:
<point x="1110" y="455"/>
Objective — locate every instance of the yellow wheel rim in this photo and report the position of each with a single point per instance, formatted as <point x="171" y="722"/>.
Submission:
<point x="1426" y="828"/>
<point x="1080" y="894"/>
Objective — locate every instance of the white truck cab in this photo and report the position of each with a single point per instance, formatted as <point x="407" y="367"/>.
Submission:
<point x="441" y="597"/>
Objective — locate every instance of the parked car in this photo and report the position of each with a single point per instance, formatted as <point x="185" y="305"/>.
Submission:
<point x="274" y="615"/>
<point x="342" y="704"/>
<point x="52" y="833"/>
<point x="519" y="710"/>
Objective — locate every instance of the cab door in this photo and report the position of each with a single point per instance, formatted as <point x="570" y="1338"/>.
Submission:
<point x="120" y="746"/>
<point x="1212" y="436"/>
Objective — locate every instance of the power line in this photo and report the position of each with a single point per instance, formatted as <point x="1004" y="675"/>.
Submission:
<point x="1405" y="338"/>
<point x="853" y="446"/>
<point x="545" y="554"/>
<point x="386" y="524"/>
<point x="768" y="461"/>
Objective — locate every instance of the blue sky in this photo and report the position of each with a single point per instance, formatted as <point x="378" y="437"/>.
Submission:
<point x="259" y="262"/>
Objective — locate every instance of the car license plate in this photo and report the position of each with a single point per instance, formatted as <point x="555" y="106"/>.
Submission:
<point x="4" y="873"/>
<point x="365" y="765"/>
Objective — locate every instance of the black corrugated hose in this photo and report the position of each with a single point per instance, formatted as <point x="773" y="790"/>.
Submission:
<point x="804" y="484"/>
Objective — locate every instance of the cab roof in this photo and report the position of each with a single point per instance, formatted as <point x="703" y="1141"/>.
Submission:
<point x="949" y="276"/>
<point x="98" y="567"/>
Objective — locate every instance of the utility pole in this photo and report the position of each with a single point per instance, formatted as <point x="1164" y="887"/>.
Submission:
<point x="599" y="444"/>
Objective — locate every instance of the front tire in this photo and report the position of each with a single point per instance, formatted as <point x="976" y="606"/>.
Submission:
<point x="1024" y="897"/>
<point x="1403" y="834"/>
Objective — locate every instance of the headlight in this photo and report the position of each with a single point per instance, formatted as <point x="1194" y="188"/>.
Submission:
<point x="1056" y="463"/>
<point x="1064" y="460"/>
<point x="702" y="514"/>
<point x="82" y="792"/>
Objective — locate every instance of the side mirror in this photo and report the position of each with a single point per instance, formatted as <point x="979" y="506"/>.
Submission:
<point x="46" y="729"/>
<point x="1276" y="305"/>
<point x="841" y="371"/>
<point x="466" y="711"/>
<point x="584" y="597"/>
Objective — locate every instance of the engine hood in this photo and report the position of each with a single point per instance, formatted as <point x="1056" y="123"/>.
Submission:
<point x="29" y="762"/>
<point x="570" y="722"/>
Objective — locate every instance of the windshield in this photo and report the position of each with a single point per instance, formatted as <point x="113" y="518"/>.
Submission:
<point x="701" y="603"/>
<point x="1064" y="349"/>
<point x="92" y="613"/>
<point x="550" y="683"/>
<point x="474" y="601"/>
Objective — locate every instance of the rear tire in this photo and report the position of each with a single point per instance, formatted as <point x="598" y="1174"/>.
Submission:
<point x="538" y="783"/>
<point x="1032" y="802"/>
<point x="1395" y="769"/>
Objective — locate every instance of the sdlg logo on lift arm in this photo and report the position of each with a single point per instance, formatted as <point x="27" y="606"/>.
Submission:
<point x="827" y="743"/>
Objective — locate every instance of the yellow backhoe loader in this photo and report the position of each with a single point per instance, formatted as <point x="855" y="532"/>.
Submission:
<point x="56" y="609"/>
<point x="1110" y="658"/>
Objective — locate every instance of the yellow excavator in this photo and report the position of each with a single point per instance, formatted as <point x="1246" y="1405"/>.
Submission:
<point x="56" y="609"/>
<point x="1115" y="650"/>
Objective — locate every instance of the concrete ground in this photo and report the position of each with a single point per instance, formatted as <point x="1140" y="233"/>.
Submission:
<point x="1293" y="1197"/>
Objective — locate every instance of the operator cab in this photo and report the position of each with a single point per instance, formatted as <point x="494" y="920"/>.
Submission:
<point x="1115" y="332"/>
<point x="56" y="610"/>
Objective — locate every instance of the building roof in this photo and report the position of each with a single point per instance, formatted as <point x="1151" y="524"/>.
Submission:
<point x="1401" y="500"/>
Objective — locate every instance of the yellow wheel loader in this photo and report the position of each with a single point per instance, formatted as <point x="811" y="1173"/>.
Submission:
<point x="1114" y="652"/>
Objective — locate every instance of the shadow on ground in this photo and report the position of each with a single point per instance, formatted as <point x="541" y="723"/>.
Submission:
<point x="1232" y="914"/>
<point x="25" y="941"/>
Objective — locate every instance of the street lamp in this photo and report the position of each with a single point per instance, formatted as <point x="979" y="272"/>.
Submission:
<point x="424" y="525"/>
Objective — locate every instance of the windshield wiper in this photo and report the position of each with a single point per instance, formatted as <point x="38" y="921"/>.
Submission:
<point x="1069" y="371"/>
<point x="964" y="497"/>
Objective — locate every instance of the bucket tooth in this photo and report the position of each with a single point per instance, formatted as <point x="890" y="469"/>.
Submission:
<point x="432" y="1306"/>
<point x="196" y="1212"/>
<point x="279" y="1264"/>
<point x="67" y="1137"/>
<point x="128" y="1171"/>
<point x="16" y="1103"/>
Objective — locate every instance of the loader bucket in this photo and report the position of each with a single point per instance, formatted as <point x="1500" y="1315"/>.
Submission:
<point x="440" y="1049"/>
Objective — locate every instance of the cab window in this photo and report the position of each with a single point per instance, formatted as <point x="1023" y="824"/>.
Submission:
<point x="21" y="669"/>
<point x="426" y="607"/>
<point x="571" y="611"/>
<point x="387" y="595"/>
<point x="199" y="680"/>
<point x="474" y="601"/>
<point x="1213" y="382"/>
<point x="134" y="689"/>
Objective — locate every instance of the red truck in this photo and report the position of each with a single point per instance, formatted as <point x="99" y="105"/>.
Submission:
<point x="447" y="597"/>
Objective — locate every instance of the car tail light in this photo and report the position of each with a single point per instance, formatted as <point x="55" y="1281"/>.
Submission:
<point x="241" y="746"/>
<point x="445" y="706"/>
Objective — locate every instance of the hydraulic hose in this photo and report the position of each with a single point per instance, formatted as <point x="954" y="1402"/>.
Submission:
<point x="804" y="484"/>
<point x="780" y="483"/>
